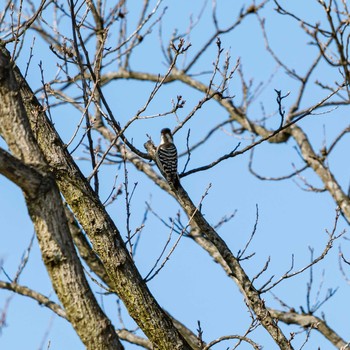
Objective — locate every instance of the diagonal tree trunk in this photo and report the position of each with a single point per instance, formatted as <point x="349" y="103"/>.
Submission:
<point x="28" y="169"/>
<point x="102" y="232"/>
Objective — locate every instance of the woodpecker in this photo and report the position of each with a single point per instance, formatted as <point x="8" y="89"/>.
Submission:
<point x="166" y="158"/>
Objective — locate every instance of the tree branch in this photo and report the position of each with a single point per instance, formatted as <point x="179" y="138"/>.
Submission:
<point x="101" y="230"/>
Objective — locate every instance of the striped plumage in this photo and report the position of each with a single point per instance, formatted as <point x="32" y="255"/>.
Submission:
<point x="166" y="158"/>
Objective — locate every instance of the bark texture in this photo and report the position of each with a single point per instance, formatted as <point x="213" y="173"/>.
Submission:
<point x="28" y="169"/>
<point x="208" y="238"/>
<point x="103" y="233"/>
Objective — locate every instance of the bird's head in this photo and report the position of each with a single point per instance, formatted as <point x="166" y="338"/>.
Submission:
<point x="166" y="136"/>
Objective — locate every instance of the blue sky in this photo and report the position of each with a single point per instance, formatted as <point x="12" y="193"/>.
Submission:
<point x="191" y="286"/>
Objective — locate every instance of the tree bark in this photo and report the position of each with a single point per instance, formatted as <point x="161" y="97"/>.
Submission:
<point x="102" y="232"/>
<point x="202" y="232"/>
<point x="28" y="169"/>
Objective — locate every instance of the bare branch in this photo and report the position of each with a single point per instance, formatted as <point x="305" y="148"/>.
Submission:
<point x="149" y="276"/>
<point x="227" y="337"/>
<point x="40" y="298"/>
<point x="235" y="153"/>
<point x="331" y="238"/>
<point x="310" y="321"/>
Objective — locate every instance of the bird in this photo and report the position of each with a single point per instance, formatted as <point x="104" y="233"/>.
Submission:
<point x="166" y="158"/>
